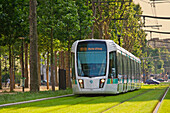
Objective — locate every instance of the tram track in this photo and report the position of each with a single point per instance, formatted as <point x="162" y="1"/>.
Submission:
<point x="129" y="99"/>
<point x="74" y="104"/>
<point x="155" y="110"/>
<point x="101" y="103"/>
<point x="36" y="100"/>
<point x="77" y="100"/>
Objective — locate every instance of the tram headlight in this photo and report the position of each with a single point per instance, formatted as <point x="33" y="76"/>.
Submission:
<point x="102" y="81"/>
<point x="81" y="83"/>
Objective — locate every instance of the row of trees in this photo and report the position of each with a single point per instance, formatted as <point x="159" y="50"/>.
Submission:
<point x="156" y="60"/>
<point x="59" y="23"/>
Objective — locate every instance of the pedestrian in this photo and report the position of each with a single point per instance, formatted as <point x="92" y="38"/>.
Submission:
<point x="8" y="82"/>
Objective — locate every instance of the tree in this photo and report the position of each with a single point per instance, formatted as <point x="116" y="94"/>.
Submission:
<point x="34" y="84"/>
<point x="0" y="71"/>
<point x="85" y="17"/>
<point x="115" y="18"/>
<point x="155" y="63"/>
<point x="26" y="65"/>
<point x="9" y="22"/>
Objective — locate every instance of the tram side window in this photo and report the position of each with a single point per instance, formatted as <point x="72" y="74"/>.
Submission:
<point x="119" y="63"/>
<point x="135" y="63"/>
<point x="130" y="68"/>
<point x="73" y="65"/>
<point x="125" y="65"/>
<point x="112" y="65"/>
<point x="135" y="69"/>
<point x="138" y="75"/>
<point x="139" y="71"/>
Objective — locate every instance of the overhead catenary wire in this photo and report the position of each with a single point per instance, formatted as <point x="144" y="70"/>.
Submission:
<point x="157" y="32"/>
<point x="155" y="14"/>
<point x="145" y="1"/>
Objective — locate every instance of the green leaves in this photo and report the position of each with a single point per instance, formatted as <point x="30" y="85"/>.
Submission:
<point x="155" y="63"/>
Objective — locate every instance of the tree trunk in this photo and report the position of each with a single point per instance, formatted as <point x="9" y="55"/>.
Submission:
<point x="56" y="72"/>
<point x="22" y="65"/>
<point x="34" y="85"/>
<point x="13" y="72"/>
<point x="47" y="70"/>
<point x="0" y="71"/>
<point x="101" y="31"/>
<point x="10" y="71"/>
<point x="107" y="34"/>
<point x="68" y="66"/>
<point x="39" y="69"/>
<point x="26" y="65"/>
<point x="61" y="60"/>
<point x="94" y="14"/>
<point x="52" y="64"/>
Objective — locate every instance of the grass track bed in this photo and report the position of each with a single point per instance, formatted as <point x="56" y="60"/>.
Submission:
<point x="9" y="98"/>
<point x="165" y="106"/>
<point x="142" y="104"/>
<point x="85" y="104"/>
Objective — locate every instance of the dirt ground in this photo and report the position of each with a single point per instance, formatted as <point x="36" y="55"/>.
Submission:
<point x="6" y="90"/>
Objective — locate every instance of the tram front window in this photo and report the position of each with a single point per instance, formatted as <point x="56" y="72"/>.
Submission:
<point x="91" y="59"/>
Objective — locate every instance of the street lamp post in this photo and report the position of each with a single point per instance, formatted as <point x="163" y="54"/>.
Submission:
<point x="119" y="39"/>
<point x="144" y="75"/>
<point x="22" y="59"/>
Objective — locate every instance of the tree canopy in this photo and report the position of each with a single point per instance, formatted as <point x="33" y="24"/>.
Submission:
<point x="65" y="21"/>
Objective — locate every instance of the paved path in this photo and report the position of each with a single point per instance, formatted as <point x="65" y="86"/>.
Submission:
<point x="6" y="90"/>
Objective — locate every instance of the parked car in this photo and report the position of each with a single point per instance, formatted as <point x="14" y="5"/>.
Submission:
<point x="160" y="80"/>
<point x="43" y="82"/>
<point x="152" y="81"/>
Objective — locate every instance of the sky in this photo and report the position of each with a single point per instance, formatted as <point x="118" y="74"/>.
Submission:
<point x="160" y="10"/>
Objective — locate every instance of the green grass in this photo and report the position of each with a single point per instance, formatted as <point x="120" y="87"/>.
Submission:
<point x="93" y="104"/>
<point x="142" y="104"/>
<point x="165" y="106"/>
<point x="10" y="98"/>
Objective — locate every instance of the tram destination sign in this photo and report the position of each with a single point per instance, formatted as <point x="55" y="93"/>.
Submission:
<point x="90" y="49"/>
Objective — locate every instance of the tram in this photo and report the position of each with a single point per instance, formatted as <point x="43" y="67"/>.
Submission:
<point x="103" y="67"/>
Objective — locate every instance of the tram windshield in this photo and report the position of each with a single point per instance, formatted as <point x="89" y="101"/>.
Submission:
<point x="91" y="59"/>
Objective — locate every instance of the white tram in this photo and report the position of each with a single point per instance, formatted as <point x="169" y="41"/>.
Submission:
<point x="103" y="67"/>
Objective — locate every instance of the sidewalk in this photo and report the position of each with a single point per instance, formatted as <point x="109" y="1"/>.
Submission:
<point x="6" y="90"/>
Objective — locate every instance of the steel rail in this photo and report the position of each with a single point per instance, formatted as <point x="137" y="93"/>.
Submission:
<point x="77" y="103"/>
<point x="36" y="100"/>
<point x="127" y="100"/>
<point x="160" y="101"/>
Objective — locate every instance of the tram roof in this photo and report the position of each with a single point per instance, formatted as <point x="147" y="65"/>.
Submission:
<point x="112" y="45"/>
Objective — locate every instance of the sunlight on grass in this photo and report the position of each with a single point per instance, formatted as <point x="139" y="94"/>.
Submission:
<point x="72" y="104"/>
<point x="94" y="104"/>
<point x="9" y="98"/>
<point x="142" y="104"/>
<point x="165" y="106"/>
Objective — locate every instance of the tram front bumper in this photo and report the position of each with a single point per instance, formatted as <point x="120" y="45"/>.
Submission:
<point x="108" y="89"/>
